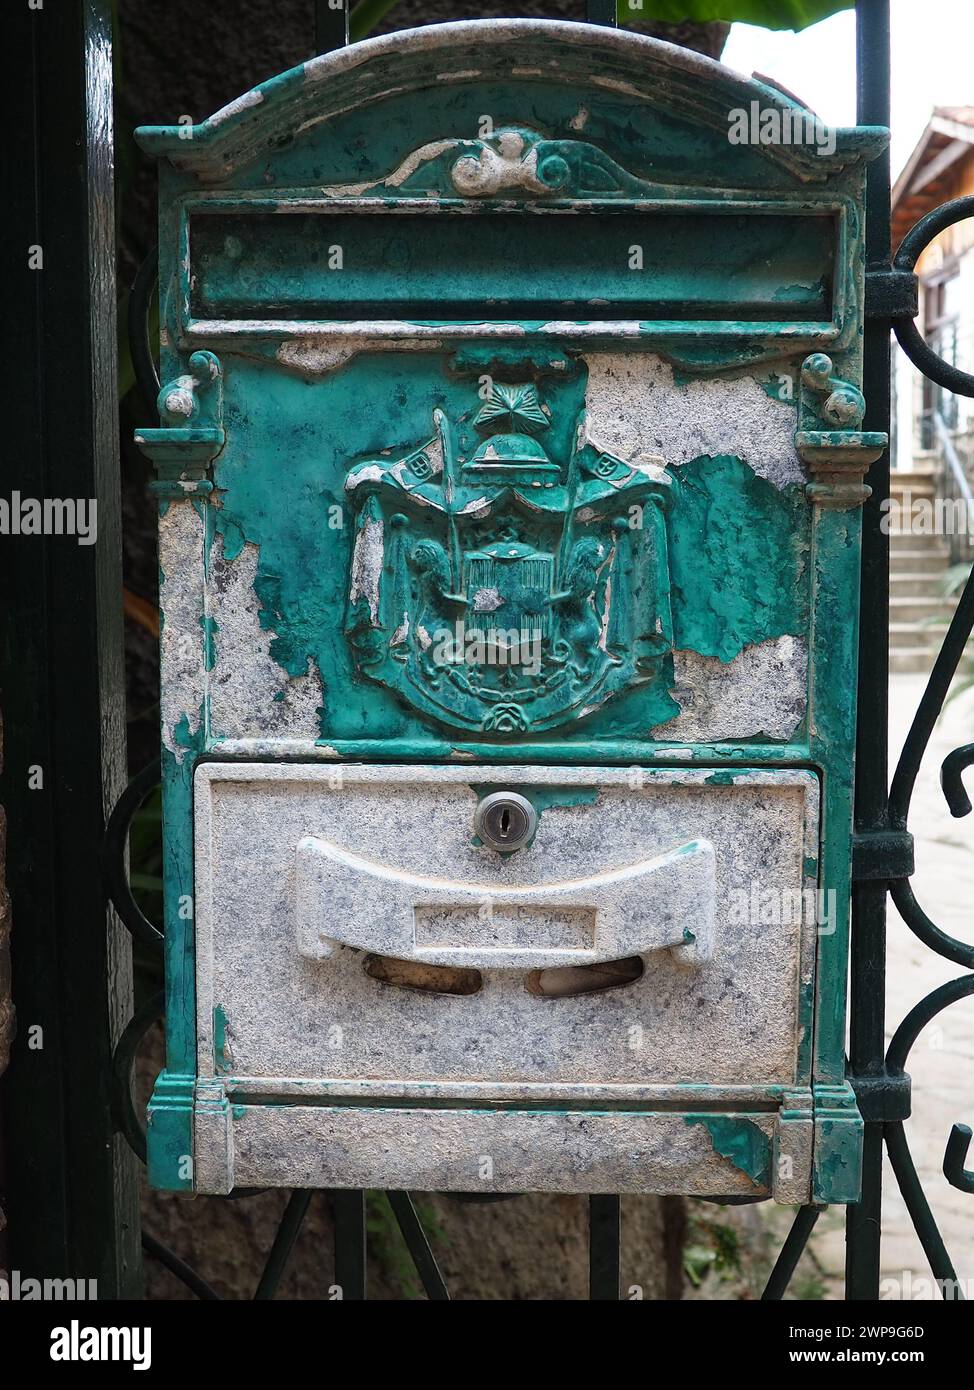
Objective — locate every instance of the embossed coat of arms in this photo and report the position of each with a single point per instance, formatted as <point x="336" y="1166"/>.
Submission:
<point x="507" y="591"/>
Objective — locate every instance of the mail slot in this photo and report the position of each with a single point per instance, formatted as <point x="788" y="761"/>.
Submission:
<point x="509" y="465"/>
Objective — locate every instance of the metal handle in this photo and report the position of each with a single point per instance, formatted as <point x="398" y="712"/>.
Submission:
<point x="666" y="902"/>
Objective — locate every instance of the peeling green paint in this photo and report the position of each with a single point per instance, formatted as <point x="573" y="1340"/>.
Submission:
<point x="210" y="629"/>
<point x="739" y="556"/>
<point x="542" y="798"/>
<point x="738" y="544"/>
<point x="221" y="1054"/>
<point x="740" y="1140"/>
<point x="806" y="1024"/>
<point x="837" y="1164"/>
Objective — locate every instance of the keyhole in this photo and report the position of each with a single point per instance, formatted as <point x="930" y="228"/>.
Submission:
<point x="505" y="821"/>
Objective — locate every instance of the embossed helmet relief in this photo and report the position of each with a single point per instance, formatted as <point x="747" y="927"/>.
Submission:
<point x="500" y="588"/>
<point x="510" y="466"/>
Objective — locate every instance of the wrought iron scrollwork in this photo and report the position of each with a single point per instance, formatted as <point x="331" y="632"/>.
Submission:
<point x="113" y="856"/>
<point x="892" y="304"/>
<point x="955" y="1155"/>
<point x="952" y="781"/>
<point x="898" y="807"/>
<point x="908" y="335"/>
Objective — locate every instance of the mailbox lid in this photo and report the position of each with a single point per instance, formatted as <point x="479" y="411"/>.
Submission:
<point x="706" y="880"/>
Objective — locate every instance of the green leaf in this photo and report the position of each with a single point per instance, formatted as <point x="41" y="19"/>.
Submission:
<point x="770" y="14"/>
<point x="365" y="16"/>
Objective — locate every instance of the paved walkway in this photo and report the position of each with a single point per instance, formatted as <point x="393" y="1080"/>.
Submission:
<point x="942" y="1061"/>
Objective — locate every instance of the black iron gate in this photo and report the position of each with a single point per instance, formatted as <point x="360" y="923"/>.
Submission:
<point x="62" y="696"/>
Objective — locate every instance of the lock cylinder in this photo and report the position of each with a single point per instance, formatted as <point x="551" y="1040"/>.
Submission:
<point x="505" y="821"/>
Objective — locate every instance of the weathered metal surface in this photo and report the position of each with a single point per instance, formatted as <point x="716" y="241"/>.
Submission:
<point x="619" y="865"/>
<point x="404" y="404"/>
<point x="491" y="1150"/>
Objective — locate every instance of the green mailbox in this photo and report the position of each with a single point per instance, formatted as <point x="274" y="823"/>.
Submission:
<point x="509" y="470"/>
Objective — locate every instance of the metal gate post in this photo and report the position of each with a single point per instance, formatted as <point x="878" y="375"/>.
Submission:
<point x="868" y="959"/>
<point x="72" y="1197"/>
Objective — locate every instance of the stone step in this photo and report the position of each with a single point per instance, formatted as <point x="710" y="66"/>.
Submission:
<point x="903" y="659"/>
<point x="908" y="584"/>
<point x="918" y="561"/>
<point x="918" y="610"/>
<point x="919" y="541"/>
<point x="907" y="661"/>
<point x="902" y="481"/>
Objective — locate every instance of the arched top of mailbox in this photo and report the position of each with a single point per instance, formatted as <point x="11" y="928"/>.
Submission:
<point x="616" y="62"/>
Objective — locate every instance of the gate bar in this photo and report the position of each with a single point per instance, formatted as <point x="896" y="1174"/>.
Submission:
<point x="72" y="1195"/>
<point x="868" y="955"/>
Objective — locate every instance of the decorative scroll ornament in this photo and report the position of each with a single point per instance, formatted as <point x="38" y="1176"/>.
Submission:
<point x="513" y="160"/>
<point x="829" y="438"/>
<point x="192" y="433"/>
<point x="499" y="590"/>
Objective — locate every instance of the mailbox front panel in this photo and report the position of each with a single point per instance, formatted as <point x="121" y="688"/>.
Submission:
<point x="661" y="878"/>
<point x="510" y="448"/>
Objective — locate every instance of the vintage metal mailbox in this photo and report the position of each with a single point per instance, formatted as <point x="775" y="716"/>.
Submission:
<point x="509" y="469"/>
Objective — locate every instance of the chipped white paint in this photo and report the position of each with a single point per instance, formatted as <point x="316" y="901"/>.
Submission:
<point x="250" y="695"/>
<point x="487" y="601"/>
<point x="274" y="746"/>
<point x="762" y="691"/>
<point x="181" y="400"/>
<point x="399" y="175"/>
<point x="434" y="452"/>
<point x="366" y="571"/>
<point x="614" y="84"/>
<point x="476" y="505"/>
<point x="181" y="642"/>
<point x="635" y="406"/>
<point x="369" y="473"/>
<point x="236" y="107"/>
<point x="314" y="358"/>
<point x="432" y="1150"/>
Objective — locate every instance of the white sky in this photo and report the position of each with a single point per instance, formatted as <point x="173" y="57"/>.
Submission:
<point x="933" y="64"/>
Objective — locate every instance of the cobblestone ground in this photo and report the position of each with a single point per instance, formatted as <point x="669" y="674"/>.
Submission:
<point x="942" y="1061"/>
